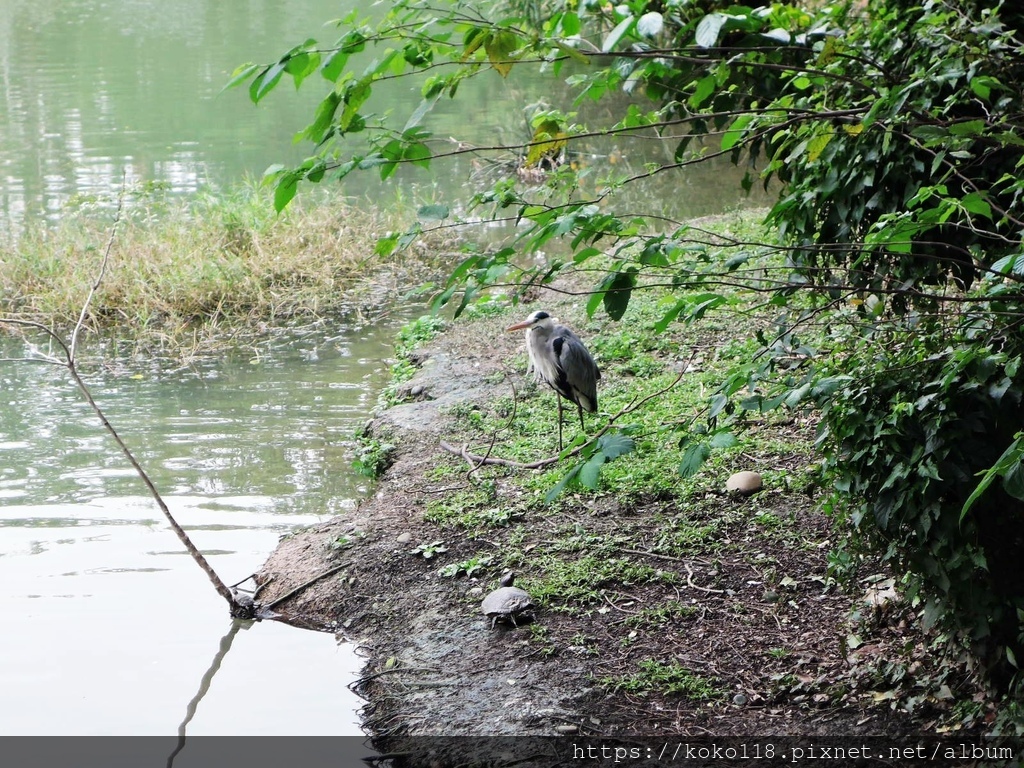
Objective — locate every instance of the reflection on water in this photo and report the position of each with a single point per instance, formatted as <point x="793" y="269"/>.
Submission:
<point x="109" y="627"/>
<point x="136" y="91"/>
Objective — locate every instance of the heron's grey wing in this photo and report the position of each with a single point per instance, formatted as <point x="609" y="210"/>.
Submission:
<point x="578" y="373"/>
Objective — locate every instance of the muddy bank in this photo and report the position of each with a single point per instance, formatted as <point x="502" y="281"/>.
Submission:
<point x="435" y="666"/>
<point x="752" y="615"/>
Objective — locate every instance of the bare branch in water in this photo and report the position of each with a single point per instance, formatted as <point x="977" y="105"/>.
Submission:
<point x="68" y="360"/>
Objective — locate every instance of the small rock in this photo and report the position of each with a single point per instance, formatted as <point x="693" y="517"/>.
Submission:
<point x="739" y="699"/>
<point x="404" y="538"/>
<point x="416" y="391"/>
<point x="744" y="483"/>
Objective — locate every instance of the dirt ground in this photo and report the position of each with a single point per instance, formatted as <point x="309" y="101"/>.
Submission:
<point x="795" y="655"/>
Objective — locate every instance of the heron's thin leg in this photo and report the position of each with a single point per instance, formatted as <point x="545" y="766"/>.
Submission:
<point x="582" y="425"/>
<point x="558" y="399"/>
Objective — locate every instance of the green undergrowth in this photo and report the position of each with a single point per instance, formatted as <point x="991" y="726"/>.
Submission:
<point x="626" y="562"/>
<point x="586" y="552"/>
<point x="410" y="337"/>
<point x="209" y="266"/>
<point x="669" y="678"/>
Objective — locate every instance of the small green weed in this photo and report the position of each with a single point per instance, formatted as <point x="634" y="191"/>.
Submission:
<point x="429" y="551"/>
<point x="473" y="508"/>
<point x="344" y="541"/>
<point x="571" y="583"/>
<point x="468" y="567"/>
<point x="417" y="332"/>
<point x="373" y="456"/>
<point x="669" y="679"/>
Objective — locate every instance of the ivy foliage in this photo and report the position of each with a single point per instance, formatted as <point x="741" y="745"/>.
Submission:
<point x="893" y="133"/>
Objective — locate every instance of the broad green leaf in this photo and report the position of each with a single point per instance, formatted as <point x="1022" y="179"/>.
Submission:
<point x="708" y="29"/>
<point x="500" y="48"/>
<point x="1013" y="481"/>
<point x="561" y="484"/>
<point x="1009" y="460"/>
<point x="585" y="253"/>
<point x="738" y="260"/>
<point x="323" y="119"/>
<point x="977" y="204"/>
<point x="596" y="297"/>
<point x="240" y="75"/>
<point x="418" y="154"/>
<point x="355" y="95"/>
<point x="613" y="37"/>
<point x="285" y="190"/>
<point x="794" y="396"/>
<point x="650" y="24"/>
<point x="704" y="303"/>
<point x="620" y="288"/>
<point x="590" y="471"/>
<point x="570" y="23"/>
<point x="672" y="314"/>
<point x="705" y="87"/>
<point x="615" y="444"/>
<point x="264" y="82"/>
<point x="718" y="403"/>
<point x="333" y="65"/>
<point x="733" y="136"/>
<point x="967" y="128"/>
<point x="302" y="64"/>
<point x="722" y="440"/>
<point x="694" y="455"/>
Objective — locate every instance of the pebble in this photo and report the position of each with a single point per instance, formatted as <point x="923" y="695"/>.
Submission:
<point x="744" y="483"/>
<point x="739" y="699"/>
<point x="416" y="391"/>
<point x="404" y="538"/>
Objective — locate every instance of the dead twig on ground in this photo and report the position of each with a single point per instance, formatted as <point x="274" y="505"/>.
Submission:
<point x="292" y="592"/>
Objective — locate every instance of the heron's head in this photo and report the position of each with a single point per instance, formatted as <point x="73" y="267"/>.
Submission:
<point x="538" y="318"/>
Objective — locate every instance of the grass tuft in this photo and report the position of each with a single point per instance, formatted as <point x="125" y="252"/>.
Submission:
<point x="213" y="265"/>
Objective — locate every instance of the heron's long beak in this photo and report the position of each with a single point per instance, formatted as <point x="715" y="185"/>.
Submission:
<point x="519" y="326"/>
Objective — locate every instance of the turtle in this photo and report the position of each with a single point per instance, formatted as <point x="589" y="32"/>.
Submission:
<point x="507" y="602"/>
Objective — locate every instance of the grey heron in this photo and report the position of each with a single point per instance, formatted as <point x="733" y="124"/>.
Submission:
<point x="560" y="359"/>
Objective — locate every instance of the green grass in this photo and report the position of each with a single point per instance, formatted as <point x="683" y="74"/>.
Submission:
<point x="671" y="679"/>
<point x="410" y="337"/>
<point x="568" y="585"/>
<point x="374" y="454"/>
<point x="213" y="264"/>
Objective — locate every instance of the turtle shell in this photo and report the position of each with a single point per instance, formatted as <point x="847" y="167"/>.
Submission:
<point x="506" y="603"/>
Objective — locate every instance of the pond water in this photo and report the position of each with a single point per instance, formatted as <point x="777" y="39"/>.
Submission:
<point x="96" y="91"/>
<point x="109" y="627"/>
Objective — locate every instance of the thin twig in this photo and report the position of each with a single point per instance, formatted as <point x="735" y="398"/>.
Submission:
<point x="293" y="592"/>
<point x="102" y="271"/>
<point x="69" y="362"/>
<point x="689" y="582"/>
